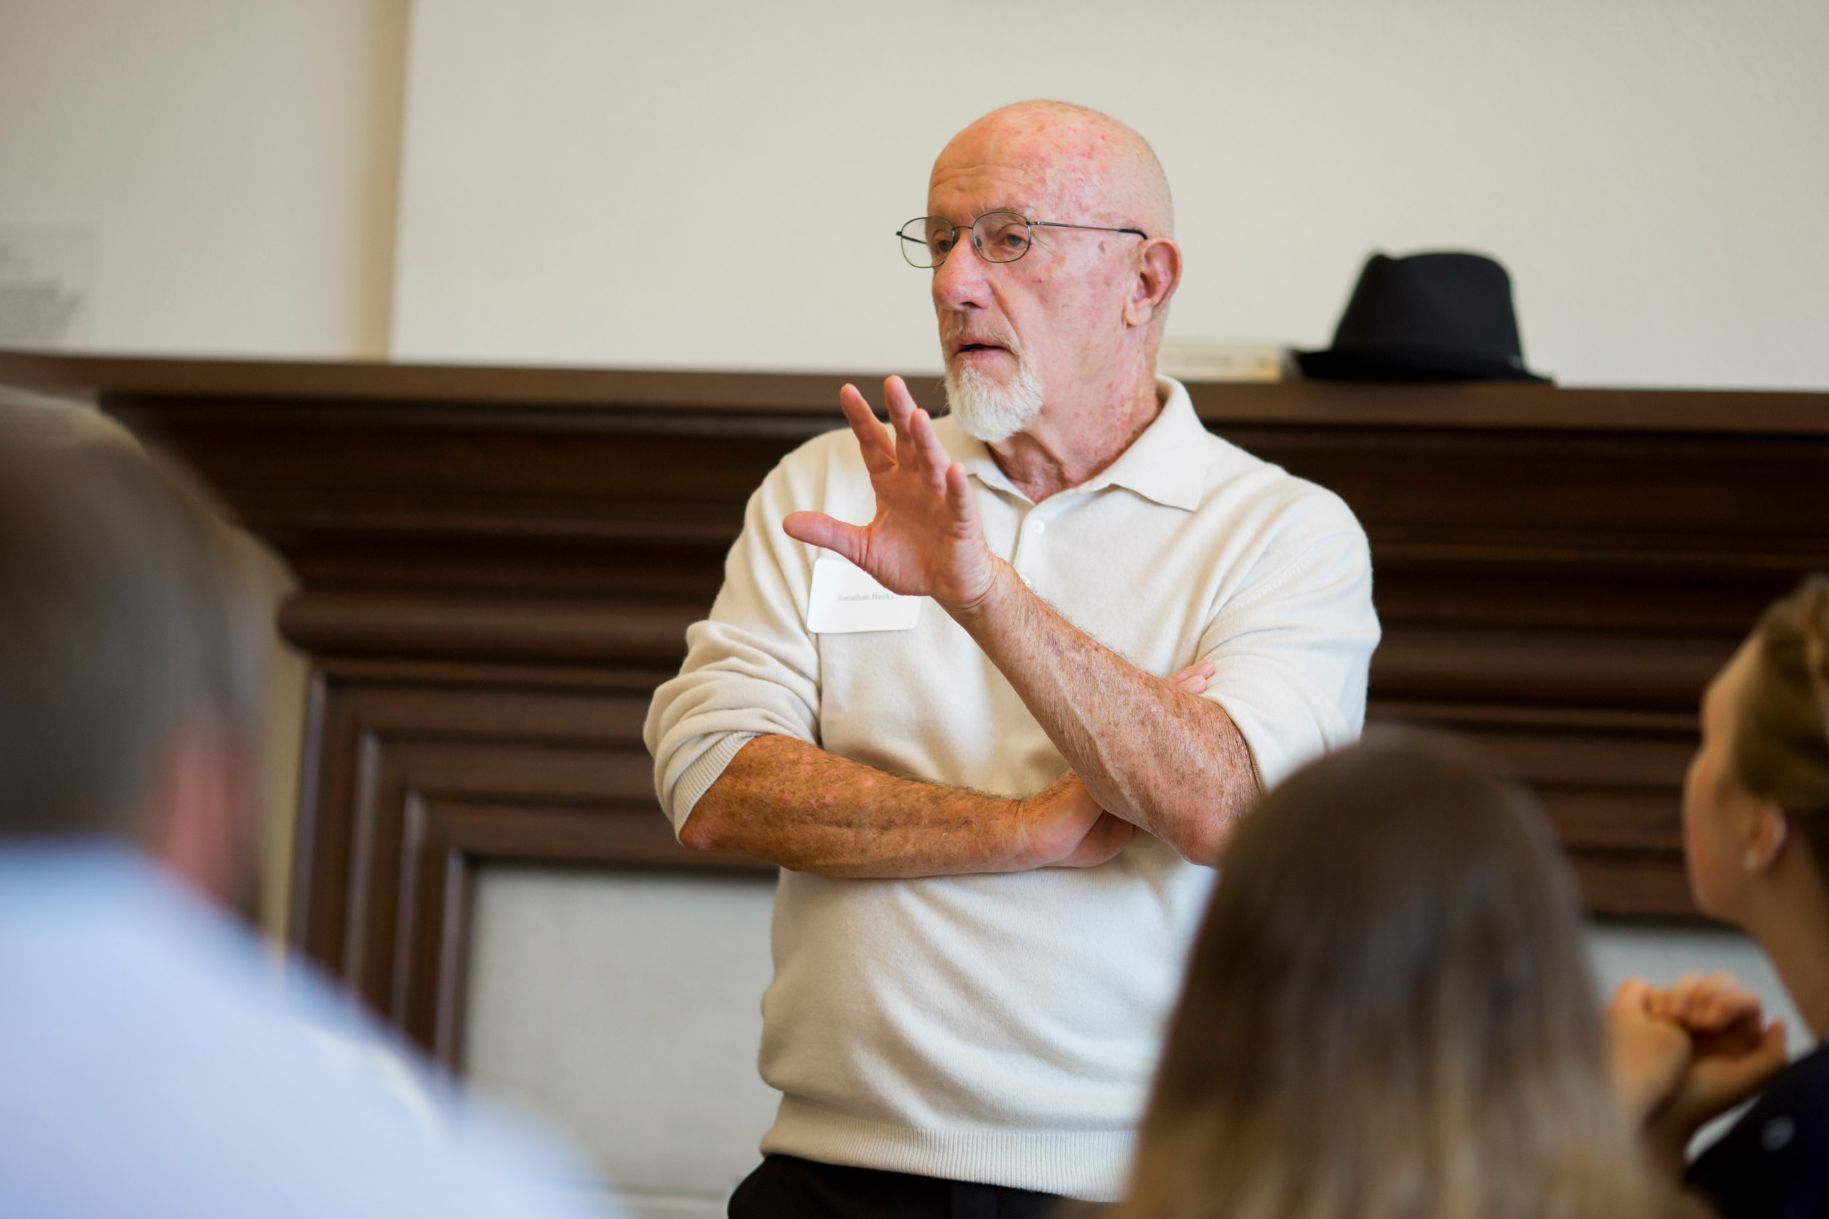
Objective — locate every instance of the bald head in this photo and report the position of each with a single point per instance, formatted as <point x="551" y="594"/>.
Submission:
<point x="1054" y="348"/>
<point x="1077" y="155"/>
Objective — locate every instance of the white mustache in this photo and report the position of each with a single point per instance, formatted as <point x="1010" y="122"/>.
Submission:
<point x="953" y="335"/>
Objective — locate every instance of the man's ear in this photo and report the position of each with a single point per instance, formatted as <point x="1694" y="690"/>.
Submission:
<point x="1158" y="273"/>
<point x="200" y="820"/>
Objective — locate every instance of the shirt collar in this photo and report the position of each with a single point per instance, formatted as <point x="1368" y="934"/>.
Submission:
<point x="1164" y="464"/>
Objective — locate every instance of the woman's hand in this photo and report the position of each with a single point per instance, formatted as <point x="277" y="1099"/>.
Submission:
<point x="1647" y="1053"/>
<point x="1733" y="1051"/>
<point x="1685" y="1054"/>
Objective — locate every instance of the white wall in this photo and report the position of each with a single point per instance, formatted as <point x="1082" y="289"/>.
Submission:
<point x="230" y="166"/>
<point x="666" y="184"/>
<point x="642" y="184"/>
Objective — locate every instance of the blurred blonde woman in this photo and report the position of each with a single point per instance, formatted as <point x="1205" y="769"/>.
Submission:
<point x="1389" y="1014"/>
<point x="1756" y="835"/>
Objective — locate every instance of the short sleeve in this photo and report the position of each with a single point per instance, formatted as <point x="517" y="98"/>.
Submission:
<point x="1293" y="642"/>
<point x="751" y="668"/>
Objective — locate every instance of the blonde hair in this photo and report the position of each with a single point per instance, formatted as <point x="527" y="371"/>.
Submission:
<point x="1389" y="1013"/>
<point x="1780" y="746"/>
<point x="128" y="612"/>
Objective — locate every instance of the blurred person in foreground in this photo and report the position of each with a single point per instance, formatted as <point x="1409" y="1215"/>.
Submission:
<point x="1756" y="837"/>
<point x="1400" y="1024"/>
<point x="153" y="1061"/>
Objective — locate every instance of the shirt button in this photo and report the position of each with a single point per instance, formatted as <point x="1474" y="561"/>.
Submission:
<point x="1041" y="526"/>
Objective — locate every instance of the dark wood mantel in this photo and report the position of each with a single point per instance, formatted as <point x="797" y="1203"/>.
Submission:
<point x="497" y="565"/>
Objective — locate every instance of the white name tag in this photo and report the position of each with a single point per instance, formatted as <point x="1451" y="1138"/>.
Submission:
<point x="845" y="600"/>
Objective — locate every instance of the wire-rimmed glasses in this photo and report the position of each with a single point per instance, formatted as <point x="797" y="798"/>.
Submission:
<point x="1000" y="236"/>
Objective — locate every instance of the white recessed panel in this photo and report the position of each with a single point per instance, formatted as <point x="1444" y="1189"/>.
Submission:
<point x="625" y="1008"/>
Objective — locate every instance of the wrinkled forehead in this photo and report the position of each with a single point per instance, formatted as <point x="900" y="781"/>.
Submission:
<point x="1033" y="163"/>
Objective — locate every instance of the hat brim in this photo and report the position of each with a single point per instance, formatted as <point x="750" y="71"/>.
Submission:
<point x="1386" y="364"/>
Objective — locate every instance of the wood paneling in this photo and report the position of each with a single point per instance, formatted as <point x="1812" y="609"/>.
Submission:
<point x="497" y="566"/>
<point x="422" y="773"/>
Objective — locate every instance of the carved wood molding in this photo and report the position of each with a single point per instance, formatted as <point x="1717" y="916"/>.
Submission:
<point x="425" y="774"/>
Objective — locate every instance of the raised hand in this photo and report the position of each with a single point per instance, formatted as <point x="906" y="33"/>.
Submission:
<point x="926" y="539"/>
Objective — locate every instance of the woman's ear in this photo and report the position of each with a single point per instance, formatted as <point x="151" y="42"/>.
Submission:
<point x="1158" y="274"/>
<point x="1771" y="830"/>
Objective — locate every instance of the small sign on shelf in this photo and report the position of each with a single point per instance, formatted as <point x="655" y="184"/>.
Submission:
<point x="1222" y="360"/>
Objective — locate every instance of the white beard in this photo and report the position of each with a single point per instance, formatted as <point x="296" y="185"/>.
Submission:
<point x="993" y="413"/>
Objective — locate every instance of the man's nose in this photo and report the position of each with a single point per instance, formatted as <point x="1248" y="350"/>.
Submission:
<point x="963" y="280"/>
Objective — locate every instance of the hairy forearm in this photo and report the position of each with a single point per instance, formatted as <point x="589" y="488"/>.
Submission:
<point x="1168" y="761"/>
<point x="793" y="804"/>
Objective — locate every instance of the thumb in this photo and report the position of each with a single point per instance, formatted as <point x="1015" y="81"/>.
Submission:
<point x="818" y="529"/>
<point x="1632" y="995"/>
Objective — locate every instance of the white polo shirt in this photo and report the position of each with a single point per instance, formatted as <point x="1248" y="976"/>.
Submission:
<point x="1004" y="1028"/>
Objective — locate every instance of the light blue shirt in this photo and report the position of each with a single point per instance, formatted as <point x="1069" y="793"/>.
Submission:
<point x="154" y="1063"/>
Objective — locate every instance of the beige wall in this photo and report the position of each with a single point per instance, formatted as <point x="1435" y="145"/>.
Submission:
<point x="667" y="185"/>
<point x="715" y="183"/>
<point x="230" y="165"/>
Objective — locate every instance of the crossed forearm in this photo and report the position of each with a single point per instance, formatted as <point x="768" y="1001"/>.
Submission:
<point x="1168" y="761"/>
<point x="1155" y="755"/>
<point x="793" y="804"/>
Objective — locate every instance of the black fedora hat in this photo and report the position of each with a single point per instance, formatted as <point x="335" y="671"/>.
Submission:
<point x="1426" y="317"/>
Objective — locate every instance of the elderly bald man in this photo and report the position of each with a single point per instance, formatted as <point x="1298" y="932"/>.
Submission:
<point x="997" y="731"/>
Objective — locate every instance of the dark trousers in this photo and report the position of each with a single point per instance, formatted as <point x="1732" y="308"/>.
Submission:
<point x="787" y="1187"/>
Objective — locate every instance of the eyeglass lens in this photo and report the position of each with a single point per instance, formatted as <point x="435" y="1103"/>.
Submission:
<point x="998" y="237"/>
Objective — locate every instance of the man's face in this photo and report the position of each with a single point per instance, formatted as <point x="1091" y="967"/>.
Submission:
<point x="1018" y="334"/>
